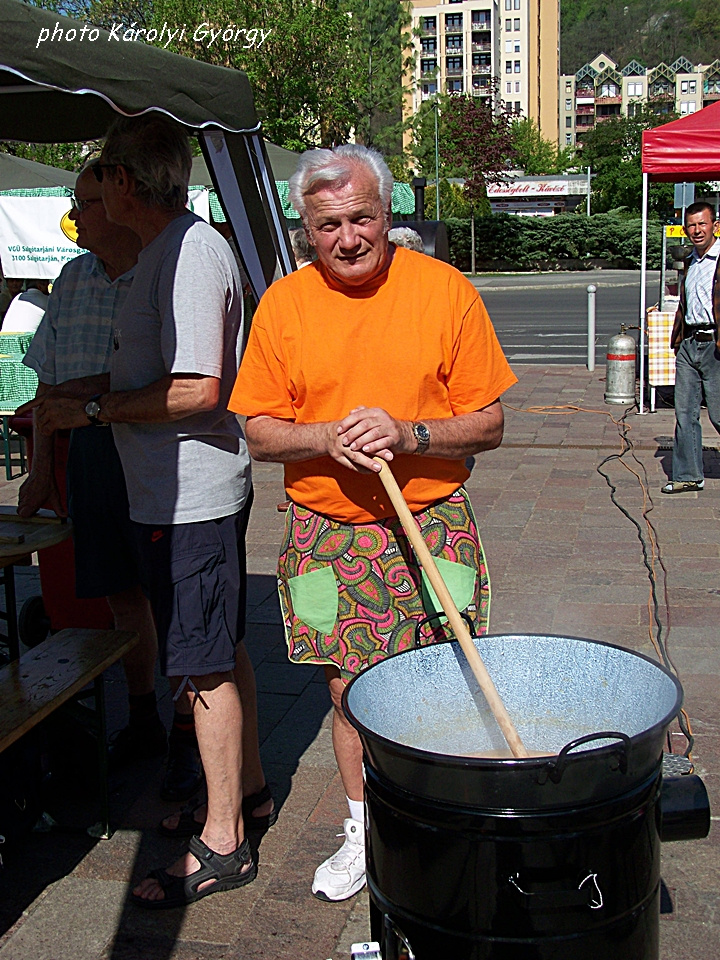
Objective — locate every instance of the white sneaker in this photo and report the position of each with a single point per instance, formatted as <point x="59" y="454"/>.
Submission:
<point x="343" y="874"/>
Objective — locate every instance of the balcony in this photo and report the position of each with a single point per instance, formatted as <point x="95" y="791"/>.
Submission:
<point x="587" y="110"/>
<point x="608" y="100"/>
<point x="481" y="47"/>
<point x="481" y="91"/>
<point x="428" y="72"/>
<point x="453" y="50"/>
<point x="428" y="31"/>
<point x="711" y="97"/>
<point x="482" y="70"/>
<point x="584" y="123"/>
<point x="454" y="71"/>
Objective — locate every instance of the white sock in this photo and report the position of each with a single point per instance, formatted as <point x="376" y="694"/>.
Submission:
<point x="357" y="810"/>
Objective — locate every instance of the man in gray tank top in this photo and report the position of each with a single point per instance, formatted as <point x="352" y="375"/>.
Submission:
<point x="176" y="351"/>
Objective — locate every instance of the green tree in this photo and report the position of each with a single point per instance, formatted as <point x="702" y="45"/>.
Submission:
<point x="377" y="44"/>
<point x="66" y="156"/>
<point x="535" y="155"/>
<point x="613" y="150"/>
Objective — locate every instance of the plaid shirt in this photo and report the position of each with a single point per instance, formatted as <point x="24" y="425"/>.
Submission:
<point x="75" y="337"/>
<point x="680" y="328"/>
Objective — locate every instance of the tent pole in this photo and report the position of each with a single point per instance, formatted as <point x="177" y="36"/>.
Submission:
<point x="643" y="290"/>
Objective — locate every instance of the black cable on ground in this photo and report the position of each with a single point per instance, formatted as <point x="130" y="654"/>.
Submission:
<point x="628" y="448"/>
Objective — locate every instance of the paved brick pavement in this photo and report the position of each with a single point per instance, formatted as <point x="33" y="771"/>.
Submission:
<point x="563" y="559"/>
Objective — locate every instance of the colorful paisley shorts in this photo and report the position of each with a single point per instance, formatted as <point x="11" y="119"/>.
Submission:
<point x="352" y="594"/>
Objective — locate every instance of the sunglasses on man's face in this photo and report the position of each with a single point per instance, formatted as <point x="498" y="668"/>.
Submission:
<point x="81" y="205"/>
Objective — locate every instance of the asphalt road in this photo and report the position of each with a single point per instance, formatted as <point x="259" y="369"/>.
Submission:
<point x="542" y="318"/>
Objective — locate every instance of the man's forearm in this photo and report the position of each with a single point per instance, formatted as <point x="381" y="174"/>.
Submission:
<point x="281" y="441"/>
<point x="82" y="387"/>
<point x="458" y="437"/>
<point x="168" y="399"/>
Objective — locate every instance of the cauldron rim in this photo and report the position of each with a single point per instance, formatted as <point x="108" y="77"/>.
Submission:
<point x="508" y="763"/>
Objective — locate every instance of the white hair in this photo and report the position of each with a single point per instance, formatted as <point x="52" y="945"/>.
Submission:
<point x="334" y="168"/>
<point x="406" y="237"/>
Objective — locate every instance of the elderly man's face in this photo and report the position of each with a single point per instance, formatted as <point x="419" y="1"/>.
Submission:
<point x="90" y="221"/>
<point x="348" y="228"/>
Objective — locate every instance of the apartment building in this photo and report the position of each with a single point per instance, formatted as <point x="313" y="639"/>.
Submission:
<point x="602" y="89"/>
<point x="460" y="45"/>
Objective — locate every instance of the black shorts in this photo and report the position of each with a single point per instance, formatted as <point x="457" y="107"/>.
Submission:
<point x="194" y="575"/>
<point x="106" y="560"/>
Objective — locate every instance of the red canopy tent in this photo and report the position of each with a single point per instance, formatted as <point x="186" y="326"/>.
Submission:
<point x="680" y="151"/>
<point x="685" y="149"/>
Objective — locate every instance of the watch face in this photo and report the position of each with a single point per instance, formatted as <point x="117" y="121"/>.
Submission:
<point x="422" y="433"/>
<point x="92" y="409"/>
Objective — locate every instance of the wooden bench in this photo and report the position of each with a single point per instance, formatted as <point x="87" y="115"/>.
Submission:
<point x="49" y="675"/>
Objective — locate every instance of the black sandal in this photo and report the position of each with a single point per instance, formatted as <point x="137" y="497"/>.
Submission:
<point x="251" y="803"/>
<point x="225" y="869"/>
<point x="188" y="826"/>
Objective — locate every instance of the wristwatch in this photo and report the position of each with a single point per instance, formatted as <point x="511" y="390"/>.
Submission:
<point x="422" y="435"/>
<point x="92" y="412"/>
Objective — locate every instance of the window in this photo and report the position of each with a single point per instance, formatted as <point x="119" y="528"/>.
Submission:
<point x="428" y="66"/>
<point x="692" y="86"/>
<point x="429" y="90"/>
<point x="453" y="64"/>
<point x="508" y="25"/>
<point x="568" y="123"/>
<point x="684" y="86"/>
<point x="508" y="87"/>
<point x="516" y="5"/>
<point x="481" y="19"/>
<point x="516" y="47"/>
<point x="517" y="23"/>
<point x="568" y="104"/>
<point x="517" y="86"/>
<point x="609" y="90"/>
<point x="429" y="24"/>
<point x="568" y="86"/>
<point x="454" y="86"/>
<point x="454" y="42"/>
<point x="518" y="107"/>
<point x="568" y="139"/>
<point x="508" y="4"/>
<point x="517" y="66"/>
<point x="453" y="21"/>
<point x="687" y="106"/>
<point x="508" y="46"/>
<point x="508" y="66"/>
<point x="428" y="44"/>
<point x="634" y="89"/>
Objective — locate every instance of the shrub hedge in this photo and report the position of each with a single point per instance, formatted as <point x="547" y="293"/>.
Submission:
<point x="568" y="241"/>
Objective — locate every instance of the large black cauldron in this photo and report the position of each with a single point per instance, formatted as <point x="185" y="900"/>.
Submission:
<point x="499" y="859"/>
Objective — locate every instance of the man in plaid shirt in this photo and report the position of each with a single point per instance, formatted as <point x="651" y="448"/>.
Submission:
<point x="697" y="354"/>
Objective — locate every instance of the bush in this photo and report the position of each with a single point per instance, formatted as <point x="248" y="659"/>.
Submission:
<point x="566" y="241"/>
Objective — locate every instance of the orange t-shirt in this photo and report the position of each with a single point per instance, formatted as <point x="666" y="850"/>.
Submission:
<point x="416" y="341"/>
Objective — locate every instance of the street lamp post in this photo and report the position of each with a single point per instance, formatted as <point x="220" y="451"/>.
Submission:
<point x="437" y="163"/>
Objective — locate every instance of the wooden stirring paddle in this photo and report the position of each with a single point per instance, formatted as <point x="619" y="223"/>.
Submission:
<point x="428" y="564"/>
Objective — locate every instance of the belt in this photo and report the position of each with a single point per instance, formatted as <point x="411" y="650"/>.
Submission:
<point x="702" y="336"/>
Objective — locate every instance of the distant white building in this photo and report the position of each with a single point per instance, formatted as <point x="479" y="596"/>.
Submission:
<point x="602" y="89"/>
<point x="538" y="196"/>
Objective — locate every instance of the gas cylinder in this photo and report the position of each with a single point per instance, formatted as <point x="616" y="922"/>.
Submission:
<point x="620" y="369"/>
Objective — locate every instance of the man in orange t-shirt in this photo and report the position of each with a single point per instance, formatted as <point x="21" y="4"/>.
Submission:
<point x="373" y="351"/>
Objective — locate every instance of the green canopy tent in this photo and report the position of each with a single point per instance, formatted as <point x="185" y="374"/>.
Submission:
<point x="63" y="81"/>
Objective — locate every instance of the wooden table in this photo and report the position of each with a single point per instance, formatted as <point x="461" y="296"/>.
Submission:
<point x="19" y="538"/>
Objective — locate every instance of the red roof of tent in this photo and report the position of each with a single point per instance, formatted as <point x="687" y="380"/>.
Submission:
<point x="686" y="149"/>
